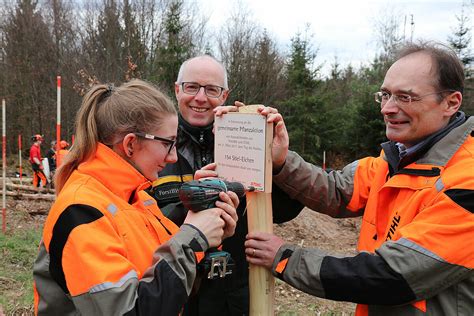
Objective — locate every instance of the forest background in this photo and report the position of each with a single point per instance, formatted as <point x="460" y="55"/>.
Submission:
<point x="92" y="41"/>
<point x="114" y="41"/>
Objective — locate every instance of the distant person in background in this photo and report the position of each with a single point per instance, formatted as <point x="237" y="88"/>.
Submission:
<point x="416" y="242"/>
<point x="51" y="156"/>
<point x="107" y="249"/>
<point x="39" y="178"/>
<point x="62" y="152"/>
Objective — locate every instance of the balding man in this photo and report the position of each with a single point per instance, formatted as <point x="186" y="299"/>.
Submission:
<point x="200" y="87"/>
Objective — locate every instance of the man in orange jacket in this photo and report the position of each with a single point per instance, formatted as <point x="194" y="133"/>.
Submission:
<point x="62" y="152"/>
<point x="416" y="240"/>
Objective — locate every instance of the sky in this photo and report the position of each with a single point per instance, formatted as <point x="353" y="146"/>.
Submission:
<point x="344" y="28"/>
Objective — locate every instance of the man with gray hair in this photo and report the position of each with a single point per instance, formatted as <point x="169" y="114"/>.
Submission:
<point x="200" y="87"/>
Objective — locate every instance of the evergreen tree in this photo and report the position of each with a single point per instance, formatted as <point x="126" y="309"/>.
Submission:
<point x="300" y="71"/>
<point x="177" y="45"/>
<point x="303" y="110"/>
<point x="102" y="43"/>
<point x="366" y="129"/>
<point x="336" y="93"/>
<point x="110" y="43"/>
<point x="173" y="52"/>
<point x="460" y="42"/>
<point x="267" y="81"/>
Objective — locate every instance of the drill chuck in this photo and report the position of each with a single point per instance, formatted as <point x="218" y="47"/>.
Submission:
<point x="235" y="187"/>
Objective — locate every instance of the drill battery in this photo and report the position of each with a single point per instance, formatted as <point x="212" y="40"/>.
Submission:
<point x="216" y="264"/>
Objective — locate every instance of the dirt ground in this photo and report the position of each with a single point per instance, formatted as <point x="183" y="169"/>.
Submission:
<point x="309" y="229"/>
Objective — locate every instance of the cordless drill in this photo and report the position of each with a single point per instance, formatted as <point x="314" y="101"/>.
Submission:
<point x="201" y="195"/>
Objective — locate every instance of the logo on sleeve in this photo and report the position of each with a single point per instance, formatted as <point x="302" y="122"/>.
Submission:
<point x="167" y="193"/>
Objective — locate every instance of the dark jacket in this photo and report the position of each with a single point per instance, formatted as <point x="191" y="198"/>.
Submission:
<point x="227" y="296"/>
<point x="51" y="155"/>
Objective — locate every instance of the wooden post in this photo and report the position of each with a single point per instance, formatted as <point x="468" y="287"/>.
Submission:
<point x="260" y="218"/>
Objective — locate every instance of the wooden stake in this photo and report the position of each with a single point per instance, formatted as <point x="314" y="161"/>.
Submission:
<point x="260" y="218"/>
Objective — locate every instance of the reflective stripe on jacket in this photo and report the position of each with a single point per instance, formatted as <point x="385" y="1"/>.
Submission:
<point x="223" y="296"/>
<point x="108" y="250"/>
<point x="416" y="241"/>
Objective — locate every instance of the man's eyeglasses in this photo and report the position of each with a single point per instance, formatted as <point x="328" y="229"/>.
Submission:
<point x="382" y="97"/>
<point x="171" y="143"/>
<point x="210" y="90"/>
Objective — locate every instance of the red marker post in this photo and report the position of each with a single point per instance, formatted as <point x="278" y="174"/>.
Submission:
<point x="58" y="119"/>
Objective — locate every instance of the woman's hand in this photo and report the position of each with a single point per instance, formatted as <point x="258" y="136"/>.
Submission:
<point x="210" y="223"/>
<point x="228" y="203"/>
<point x="219" y="222"/>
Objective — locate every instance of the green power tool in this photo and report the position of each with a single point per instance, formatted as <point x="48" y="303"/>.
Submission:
<point x="200" y="195"/>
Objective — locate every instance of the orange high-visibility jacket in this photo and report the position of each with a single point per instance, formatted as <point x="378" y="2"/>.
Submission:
<point x="417" y="236"/>
<point x="108" y="250"/>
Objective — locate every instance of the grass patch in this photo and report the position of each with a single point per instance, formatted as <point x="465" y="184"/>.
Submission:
<point x="18" y="252"/>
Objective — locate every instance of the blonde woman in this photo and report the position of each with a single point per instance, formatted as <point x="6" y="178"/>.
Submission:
<point x="107" y="249"/>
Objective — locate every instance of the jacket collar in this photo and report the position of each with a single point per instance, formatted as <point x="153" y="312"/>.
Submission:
<point x="116" y="174"/>
<point x="436" y="149"/>
<point x="200" y="135"/>
<point x="195" y="144"/>
<point x="444" y="149"/>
